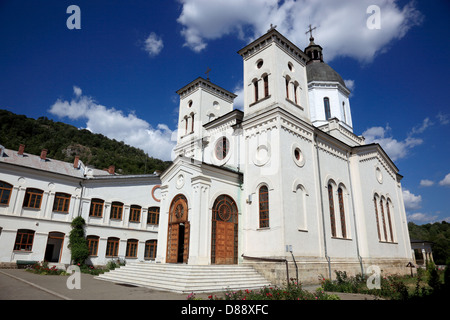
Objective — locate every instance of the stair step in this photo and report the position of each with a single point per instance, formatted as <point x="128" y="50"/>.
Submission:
<point x="187" y="278"/>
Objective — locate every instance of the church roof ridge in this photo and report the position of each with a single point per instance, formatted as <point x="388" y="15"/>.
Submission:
<point x="273" y="35"/>
<point x="208" y="85"/>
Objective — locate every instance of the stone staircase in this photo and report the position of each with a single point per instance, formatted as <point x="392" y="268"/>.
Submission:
<point x="183" y="278"/>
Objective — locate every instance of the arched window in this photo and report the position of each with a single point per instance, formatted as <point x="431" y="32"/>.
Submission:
<point x="266" y="85"/>
<point x="344" y="116"/>
<point x="186" y="119"/>
<point x="389" y="220"/>
<point x="135" y="213"/>
<point x="331" y="204"/>
<point x="263" y="207"/>
<point x="96" y="209"/>
<point x="153" y="215"/>
<point x="376" y="216"/>
<point x="255" y="85"/>
<point x="295" y="92"/>
<point x="326" y="103"/>
<point x="383" y="219"/>
<point x="287" y="87"/>
<point x="92" y="245"/>
<point x="24" y="240"/>
<point x="61" y="203"/>
<point x="116" y="210"/>
<point x="150" y="249"/>
<point x="192" y="124"/>
<point x="112" y="247"/>
<point x="33" y="198"/>
<point x="342" y="212"/>
<point x="5" y="192"/>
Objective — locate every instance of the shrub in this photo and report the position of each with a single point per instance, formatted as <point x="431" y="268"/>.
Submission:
<point x="77" y="242"/>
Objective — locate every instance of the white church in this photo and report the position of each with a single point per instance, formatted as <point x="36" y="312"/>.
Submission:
<point x="284" y="179"/>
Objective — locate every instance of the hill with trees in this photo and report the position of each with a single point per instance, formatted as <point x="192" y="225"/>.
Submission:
<point x="64" y="142"/>
<point x="438" y="233"/>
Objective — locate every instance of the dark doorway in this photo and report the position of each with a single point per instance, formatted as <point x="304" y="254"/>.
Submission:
<point x="54" y="246"/>
<point x="180" y="243"/>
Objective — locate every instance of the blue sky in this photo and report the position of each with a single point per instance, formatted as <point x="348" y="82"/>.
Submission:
<point x="118" y="74"/>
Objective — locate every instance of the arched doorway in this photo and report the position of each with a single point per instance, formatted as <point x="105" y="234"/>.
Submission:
<point x="224" y="233"/>
<point x="178" y="232"/>
<point x="54" y="247"/>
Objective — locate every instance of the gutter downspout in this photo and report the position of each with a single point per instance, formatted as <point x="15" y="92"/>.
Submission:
<point x="354" y="214"/>
<point x="321" y="206"/>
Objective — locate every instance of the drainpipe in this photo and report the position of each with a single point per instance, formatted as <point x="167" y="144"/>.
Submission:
<point x="354" y="214"/>
<point x="321" y="206"/>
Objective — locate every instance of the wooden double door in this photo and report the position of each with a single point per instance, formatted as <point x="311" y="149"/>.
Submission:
<point x="224" y="231"/>
<point x="179" y="231"/>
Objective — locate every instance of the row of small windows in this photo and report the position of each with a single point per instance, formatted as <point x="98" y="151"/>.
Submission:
<point x="288" y="84"/>
<point x="187" y="126"/>
<point x="112" y="247"/>
<point x="383" y="213"/>
<point x="33" y="200"/>
<point x="24" y="242"/>
<point x="96" y="210"/>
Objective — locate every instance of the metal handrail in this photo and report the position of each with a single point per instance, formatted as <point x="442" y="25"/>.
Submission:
<point x="270" y="260"/>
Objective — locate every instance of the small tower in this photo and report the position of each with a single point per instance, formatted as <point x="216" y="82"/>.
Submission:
<point x="328" y="94"/>
<point x="201" y="101"/>
<point x="275" y="76"/>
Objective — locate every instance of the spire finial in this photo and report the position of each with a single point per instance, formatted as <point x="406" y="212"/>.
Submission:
<point x="310" y="30"/>
<point x="271" y="27"/>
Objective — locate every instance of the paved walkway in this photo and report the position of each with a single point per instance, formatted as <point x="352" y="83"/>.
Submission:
<point x="18" y="284"/>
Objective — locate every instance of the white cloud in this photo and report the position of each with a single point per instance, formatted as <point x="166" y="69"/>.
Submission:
<point x="77" y="91"/>
<point x="114" y="124"/>
<point x="239" y="100"/>
<point x="394" y="148"/>
<point x="350" y="84"/>
<point x="153" y="44"/>
<point x="341" y="25"/>
<point x="411" y="201"/>
<point x="422" y="217"/>
<point x="445" y="181"/>
<point x="443" y="118"/>
<point x="426" y="183"/>
<point x="422" y="127"/>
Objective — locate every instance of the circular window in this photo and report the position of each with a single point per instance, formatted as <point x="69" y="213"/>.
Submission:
<point x="379" y="175"/>
<point x="190" y="103"/>
<point x="297" y="156"/>
<point x="291" y="66"/>
<point x="222" y="148"/>
<point x="259" y="64"/>
<point x="156" y="193"/>
<point x="179" y="211"/>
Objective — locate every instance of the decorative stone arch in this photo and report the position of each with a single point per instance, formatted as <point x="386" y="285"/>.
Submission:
<point x="301" y="198"/>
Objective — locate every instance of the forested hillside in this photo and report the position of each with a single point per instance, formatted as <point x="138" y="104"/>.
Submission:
<point x="438" y="233"/>
<point x="64" y="142"/>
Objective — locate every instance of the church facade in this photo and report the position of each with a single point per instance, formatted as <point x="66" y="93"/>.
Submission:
<point x="286" y="179"/>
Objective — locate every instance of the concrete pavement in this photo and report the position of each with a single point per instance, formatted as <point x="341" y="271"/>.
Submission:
<point x="18" y="284"/>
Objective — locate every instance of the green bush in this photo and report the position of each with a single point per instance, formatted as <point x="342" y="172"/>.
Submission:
<point x="77" y="242"/>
